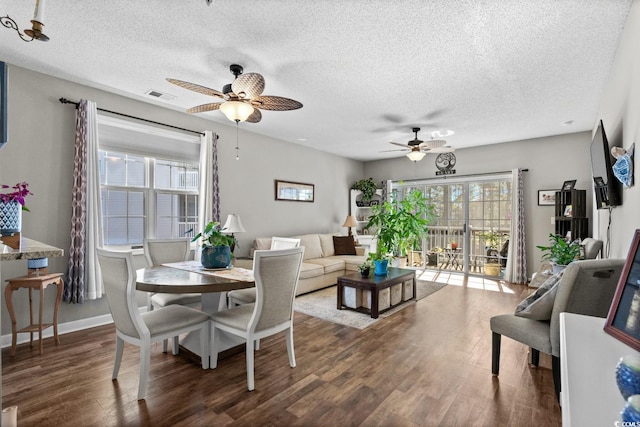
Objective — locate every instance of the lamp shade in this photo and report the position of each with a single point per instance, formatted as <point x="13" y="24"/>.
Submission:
<point x="415" y="156"/>
<point x="350" y="222"/>
<point x="236" y="111"/>
<point x="233" y="225"/>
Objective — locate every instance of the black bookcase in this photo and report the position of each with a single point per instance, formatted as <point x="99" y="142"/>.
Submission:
<point x="571" y="214"/>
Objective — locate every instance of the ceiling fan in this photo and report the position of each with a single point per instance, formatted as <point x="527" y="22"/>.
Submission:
<point x="243" y="98"/>
<point x="418" y="148"/>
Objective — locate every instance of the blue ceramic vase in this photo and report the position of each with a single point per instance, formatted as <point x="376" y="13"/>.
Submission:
<point x="10" y="218"/>
<point x="216" y="257"/>
<point x="628" y="375"/>
<point x="631" y="412"/>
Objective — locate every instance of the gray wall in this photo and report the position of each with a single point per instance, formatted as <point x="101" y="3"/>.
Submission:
<point x="550" y="161"/>
<point x="620" y="113"/>
<point x="41" y="149"/>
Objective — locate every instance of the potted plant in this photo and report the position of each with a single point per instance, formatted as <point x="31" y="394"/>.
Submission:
<point x="365" y="268"/>
<point x="216" y="247"/>
<point x="368" y="187"/>
<point x="401" y="225"/>
<point x="560" y="252"/>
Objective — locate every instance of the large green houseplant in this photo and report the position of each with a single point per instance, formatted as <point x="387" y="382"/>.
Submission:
<point x="399" y="225"/>
<point x="216" y="247"/>
<point x="559" y="251"/>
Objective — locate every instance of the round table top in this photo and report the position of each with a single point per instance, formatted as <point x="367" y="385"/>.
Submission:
<point x="164" y="279"/>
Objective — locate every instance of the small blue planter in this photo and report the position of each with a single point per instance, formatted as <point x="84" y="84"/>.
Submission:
<point x="216" y="257"/>
<point x="381" y="267"/>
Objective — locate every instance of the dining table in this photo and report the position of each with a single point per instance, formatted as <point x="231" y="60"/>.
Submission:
<point x="192" y="277"/>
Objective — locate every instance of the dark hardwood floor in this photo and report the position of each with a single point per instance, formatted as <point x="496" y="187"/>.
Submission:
<point x="427" y="365"/>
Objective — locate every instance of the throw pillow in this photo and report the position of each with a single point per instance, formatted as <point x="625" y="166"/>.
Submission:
<point x="539" y="305"/>
<point x="344" y="245"/>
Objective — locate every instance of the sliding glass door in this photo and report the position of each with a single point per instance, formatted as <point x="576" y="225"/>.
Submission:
<point x="472" y="225"/>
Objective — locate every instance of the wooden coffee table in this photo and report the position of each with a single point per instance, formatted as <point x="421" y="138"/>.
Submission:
<point x="377" y="294"/>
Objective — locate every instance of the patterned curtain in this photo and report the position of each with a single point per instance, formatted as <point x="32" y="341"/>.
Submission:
<point x="209" y="209"/>
<point x="83" y="272"/>
<point x="516" y="271"/>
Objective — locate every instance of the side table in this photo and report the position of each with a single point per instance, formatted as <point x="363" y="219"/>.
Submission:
<point x="40" y="283"/>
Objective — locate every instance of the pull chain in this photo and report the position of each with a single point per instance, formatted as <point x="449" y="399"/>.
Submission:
<point x="237" y="148"/>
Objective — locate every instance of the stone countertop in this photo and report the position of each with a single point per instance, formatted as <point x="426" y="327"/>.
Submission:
<point x="29" y="249"/>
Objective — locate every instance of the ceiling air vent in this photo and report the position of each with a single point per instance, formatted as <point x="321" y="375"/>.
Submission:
<point x="161" y="95"/>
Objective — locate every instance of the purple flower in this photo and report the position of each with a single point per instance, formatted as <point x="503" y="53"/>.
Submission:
<point x="21" y="191"/>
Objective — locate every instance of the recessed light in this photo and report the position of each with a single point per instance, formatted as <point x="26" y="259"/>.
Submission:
<point x="567" y="123"/>
<point x="302" y="139"/>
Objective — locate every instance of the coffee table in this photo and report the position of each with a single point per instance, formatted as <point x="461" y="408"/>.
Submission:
<point x="376" y="294"/>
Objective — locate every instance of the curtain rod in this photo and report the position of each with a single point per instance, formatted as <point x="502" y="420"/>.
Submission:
<point x="66" y="101"/>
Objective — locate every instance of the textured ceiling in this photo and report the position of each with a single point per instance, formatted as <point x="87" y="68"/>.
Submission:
<point x="366" y="71"/>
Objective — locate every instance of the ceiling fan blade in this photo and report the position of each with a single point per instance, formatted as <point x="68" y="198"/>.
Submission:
<point x="255" y="117"/>
<point x="251" y="84"/>
<point x="275" y="103"/>
<point x="399" y="145"/>
<point x="399" y="149"/>
<point x="197" y="88"/>
<point x="443" y="149"/>
<point x="205" y="107"/>
<point x="435" y="143"/>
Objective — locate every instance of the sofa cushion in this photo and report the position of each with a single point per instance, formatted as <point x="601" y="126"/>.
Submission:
<point x="262" y="243"/>
<point x="326" y="242"/>
<point x="351" y="262"/>
<point x="312" y="248"/>
<point x="539" y="305"/>
<point x="329" y="264"/>
<point x="308" y="270"/>
<point x="344" y="245"/>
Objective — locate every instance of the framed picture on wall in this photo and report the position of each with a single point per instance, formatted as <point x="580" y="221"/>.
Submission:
<point x="546" y="197"/>
<point x="294" y="191"/>
<point x="568" y="185"/>
<point x="623" y="321"/>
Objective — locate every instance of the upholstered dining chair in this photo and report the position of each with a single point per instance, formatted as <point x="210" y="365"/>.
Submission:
<point x="119" y="279"/>
<point x="161" y="251"/>
<point x="248" y="296"/>
<point x="276" y="275"/>
<point x="586" y="287"/>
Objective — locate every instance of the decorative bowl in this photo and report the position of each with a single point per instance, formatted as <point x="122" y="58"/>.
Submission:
<point x="628" y="376"/>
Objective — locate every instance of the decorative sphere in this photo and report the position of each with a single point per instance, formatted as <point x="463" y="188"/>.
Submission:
<point x="631" y="411"/>
<point x="628" y="376"/>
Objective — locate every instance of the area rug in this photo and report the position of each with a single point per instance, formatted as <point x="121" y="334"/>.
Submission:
<point x="322" y="304"/>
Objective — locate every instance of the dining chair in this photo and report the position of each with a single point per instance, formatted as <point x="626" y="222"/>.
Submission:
<point x="276" y="276"/>
<point x="248" y="296"/>
<point x="146" y="328"/>
<point x="161" y="251"/>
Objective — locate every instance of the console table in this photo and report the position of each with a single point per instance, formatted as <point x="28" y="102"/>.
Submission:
<point x="590" y="396"/>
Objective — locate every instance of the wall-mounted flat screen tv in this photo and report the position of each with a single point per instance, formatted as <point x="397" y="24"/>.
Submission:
<point x="607" y="188"/>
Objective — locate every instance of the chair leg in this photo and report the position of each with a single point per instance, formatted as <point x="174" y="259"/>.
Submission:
<point x="535" y="357"/>
<point x="250" y="362"/>
<point x="145" y="361"/>
<point x="256" y="343"/>
<point x="165" y="346"/>
<point x="290" y="350"/>
<point x="205" y="345"/>
<point x="175" y="347"/>
<point x="555" y="367"/>
<point x="116" y="364"/>
<point x="213" y="345"/>
<point x="495" y="353"/>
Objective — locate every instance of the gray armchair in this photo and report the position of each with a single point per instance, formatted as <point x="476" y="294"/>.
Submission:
<point x="587" y="287"/>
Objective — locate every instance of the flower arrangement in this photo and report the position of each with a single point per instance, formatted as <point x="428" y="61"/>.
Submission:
<point x="21" y="191"/>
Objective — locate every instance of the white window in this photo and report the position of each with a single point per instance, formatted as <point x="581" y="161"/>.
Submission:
<point x="148" y="182"/>
<point x="146" y="197"/>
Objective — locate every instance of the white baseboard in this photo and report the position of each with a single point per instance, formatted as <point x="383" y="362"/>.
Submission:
<point x="64" y="328"/>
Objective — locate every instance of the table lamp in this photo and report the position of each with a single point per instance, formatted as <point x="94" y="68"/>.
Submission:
<point x="350" y="222"/>
<point x="233" y="225"/>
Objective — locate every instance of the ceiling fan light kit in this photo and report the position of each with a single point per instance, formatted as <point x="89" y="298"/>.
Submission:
<point x="416" y="156"/>
<point x="236" y="111"/>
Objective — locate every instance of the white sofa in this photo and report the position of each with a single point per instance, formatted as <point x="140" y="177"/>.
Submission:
<point x="321" y="267"/>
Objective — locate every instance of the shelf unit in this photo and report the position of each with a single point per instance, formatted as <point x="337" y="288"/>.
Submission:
<point x="571" y="214"/>
<point x="362" y="212"/>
